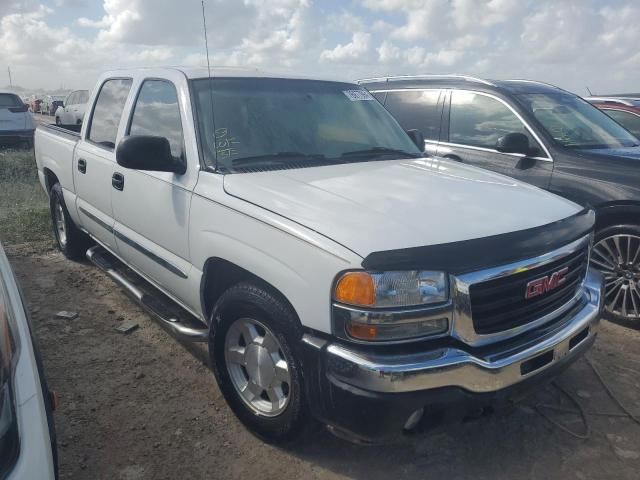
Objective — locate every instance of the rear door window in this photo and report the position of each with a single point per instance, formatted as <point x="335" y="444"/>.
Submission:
<point x="8" y="100"/>
<point x="156" y="112"/>
<point x="417" y="109"/>
<point x="107" y="112"/>
<point x="628" y="120"/>
<point x="479" y="120"/>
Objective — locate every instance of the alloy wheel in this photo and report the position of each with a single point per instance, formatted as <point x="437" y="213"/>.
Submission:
<point x="60" y="223"/>
<point x="258" y="369"/>
<point x="618" y="258"/>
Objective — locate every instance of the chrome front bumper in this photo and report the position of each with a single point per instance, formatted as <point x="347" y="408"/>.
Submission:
<point x="475" y="369"/>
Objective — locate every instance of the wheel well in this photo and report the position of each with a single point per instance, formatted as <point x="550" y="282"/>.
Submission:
<point x="219" y="275"/>
<point x="627" y="213"/>
<point x="50" y="179"/>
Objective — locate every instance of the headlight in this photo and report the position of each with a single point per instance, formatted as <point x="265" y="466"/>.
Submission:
<point x="385" y="306"/>
<point x="9" y="440"/>
<point x="392" y="289"/>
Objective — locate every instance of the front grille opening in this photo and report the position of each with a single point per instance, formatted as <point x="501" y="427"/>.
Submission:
<point x="536" y="363"/>
<point x="500" y="304"/>
<point x="578" y="338"/>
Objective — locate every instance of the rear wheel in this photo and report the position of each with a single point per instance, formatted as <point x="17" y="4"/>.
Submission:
<point x="616" y="253"/>
<point x="57" y="120"/>
<point x="252" y="352"/>
<point x="70" y="239"/>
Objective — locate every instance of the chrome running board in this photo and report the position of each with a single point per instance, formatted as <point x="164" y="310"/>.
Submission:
<point x="170" y="315"/>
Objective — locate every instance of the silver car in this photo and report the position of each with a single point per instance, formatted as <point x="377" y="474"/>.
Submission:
<point x="72" y="111"/>
<point x="27" y="433"/>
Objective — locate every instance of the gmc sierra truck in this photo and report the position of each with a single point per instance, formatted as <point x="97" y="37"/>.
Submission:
<point x="336" y="273"/>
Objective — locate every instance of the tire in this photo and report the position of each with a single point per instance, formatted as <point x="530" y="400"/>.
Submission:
<point x="71" y="241"/>
<point x="616" y="253"/>
<point x="273" y="421"/>
<point x="57" y="120"/>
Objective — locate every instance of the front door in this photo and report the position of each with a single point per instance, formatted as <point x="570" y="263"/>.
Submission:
<point x="474" y="123"/>
<point x="152" y="208"/>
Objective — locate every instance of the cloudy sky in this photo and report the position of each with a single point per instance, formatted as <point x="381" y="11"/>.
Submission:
<point x="572" y="43"/>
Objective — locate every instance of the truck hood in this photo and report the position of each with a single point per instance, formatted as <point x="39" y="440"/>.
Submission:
<point x="388" y="205"/>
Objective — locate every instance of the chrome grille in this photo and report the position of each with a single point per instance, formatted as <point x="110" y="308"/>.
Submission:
<point x="500" y="304"/>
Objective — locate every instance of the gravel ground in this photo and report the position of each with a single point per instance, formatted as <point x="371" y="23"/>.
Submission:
<point x="143" y="406"/>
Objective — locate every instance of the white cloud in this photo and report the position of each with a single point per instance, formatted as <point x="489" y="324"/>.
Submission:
<point x="570" y="42"/>
<point x="355" y="50"/>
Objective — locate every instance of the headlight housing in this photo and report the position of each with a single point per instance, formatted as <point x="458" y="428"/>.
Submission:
<point x="9" y="438"/>
<point x="391" y="306"/>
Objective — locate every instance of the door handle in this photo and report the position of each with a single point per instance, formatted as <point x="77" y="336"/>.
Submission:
<point x="82" y="165"/>
<point x="117" y="181"/>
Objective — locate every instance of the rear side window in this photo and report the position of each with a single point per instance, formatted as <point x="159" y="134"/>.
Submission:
<point x="156" y="112"/>
<point x="628" y="120"/>
<point x="8" y="100"/>
<point x="478" y="120"/>
<point x="417" y="109"/>
<point x="103" y="128"/>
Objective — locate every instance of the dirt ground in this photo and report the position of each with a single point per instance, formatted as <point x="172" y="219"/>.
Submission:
<point x="143" y="406"/>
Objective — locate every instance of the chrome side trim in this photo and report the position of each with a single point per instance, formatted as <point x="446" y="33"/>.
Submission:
<point x="160" y="261"/>
<point x="119" y="235"/>
<point x="455" y="367"/>
<point x="490" y="150"/>
<point x="463" y="329"/>
<point x="95" y="219"/>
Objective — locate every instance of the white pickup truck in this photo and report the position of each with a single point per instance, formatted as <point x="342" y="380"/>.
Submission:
<point x="336" y="272"/>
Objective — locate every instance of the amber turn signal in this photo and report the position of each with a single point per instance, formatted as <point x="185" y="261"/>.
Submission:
<point x="356" y="288"/>
<point x="362" y="332"/>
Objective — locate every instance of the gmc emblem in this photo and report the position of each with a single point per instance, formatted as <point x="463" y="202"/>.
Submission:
<point x="540" y="286"/>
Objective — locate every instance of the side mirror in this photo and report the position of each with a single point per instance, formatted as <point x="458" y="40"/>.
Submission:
<point x="416" y="137"/>
<point x="513" y="143"/>
<point x="146" y="152"/>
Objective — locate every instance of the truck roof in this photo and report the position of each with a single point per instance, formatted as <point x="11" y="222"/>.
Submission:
<point x="222" y="71"/>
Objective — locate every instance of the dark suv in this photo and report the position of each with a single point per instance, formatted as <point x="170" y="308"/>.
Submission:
<point x="545" y="136"/>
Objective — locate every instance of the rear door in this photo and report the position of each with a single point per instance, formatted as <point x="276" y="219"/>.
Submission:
<point x="419" y="109"/>
<point x="474" y="121"/>
<point x="95" y="159"/>
<point x="13" y="114"/>
<point x="151" y="209"/>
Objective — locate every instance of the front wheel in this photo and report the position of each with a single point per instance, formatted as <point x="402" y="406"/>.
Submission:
<point x="252" y="353"/>
<point x="616" y="253"/>
<point x="70" y="239"/>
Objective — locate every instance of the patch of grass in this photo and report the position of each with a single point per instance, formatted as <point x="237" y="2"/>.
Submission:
<point x="24" y="206"/>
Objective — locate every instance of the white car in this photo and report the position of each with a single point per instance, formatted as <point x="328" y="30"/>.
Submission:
<point x="27" y="433"/>
<point x="71" y="112"/>
<point x="335" y="272"/>
<point x="16" y="124"/>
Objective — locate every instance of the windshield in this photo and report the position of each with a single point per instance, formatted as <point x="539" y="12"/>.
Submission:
<point x="575" y="123"/>
<point x="277" y="123"/>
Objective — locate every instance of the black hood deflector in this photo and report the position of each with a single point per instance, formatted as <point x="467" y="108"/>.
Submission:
<point x="480" y="253"/>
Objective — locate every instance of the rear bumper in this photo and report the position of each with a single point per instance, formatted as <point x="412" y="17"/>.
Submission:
<point x="371" y="395"/>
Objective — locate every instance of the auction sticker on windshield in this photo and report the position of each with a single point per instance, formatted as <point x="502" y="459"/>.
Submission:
<point x="358" y="95"/>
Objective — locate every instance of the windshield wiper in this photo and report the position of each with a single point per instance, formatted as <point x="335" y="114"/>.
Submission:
<point x="380" y="151"/>
<point x="279" y="157"/>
